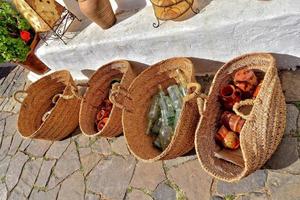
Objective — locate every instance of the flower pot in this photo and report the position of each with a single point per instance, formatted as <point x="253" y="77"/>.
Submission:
<point x="99" y="11"/>
<point x="33" y="63"/>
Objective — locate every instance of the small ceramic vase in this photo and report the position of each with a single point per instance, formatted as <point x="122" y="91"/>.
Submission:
<point x="232" y="121"/>
<point x="229" y="96"/>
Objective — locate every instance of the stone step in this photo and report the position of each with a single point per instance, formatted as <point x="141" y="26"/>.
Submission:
<point x="221" y="31"/>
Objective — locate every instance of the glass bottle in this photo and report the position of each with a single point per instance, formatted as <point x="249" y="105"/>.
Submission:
<point x="176" y="96"/>
<point x="167" y="110"/>
<point x="153" y="113"/>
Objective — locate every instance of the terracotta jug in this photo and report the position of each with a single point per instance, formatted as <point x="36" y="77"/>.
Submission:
<point x="99" y="11"/>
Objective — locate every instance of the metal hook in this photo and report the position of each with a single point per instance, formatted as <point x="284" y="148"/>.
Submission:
<point x="156" y="25"/>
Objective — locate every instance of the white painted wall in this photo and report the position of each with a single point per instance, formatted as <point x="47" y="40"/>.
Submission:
<point x="223" y="30"/>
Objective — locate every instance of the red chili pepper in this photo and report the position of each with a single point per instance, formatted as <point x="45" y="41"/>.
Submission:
<point x="25" y="36"/>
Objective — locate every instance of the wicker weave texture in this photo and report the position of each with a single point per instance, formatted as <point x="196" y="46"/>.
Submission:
<point x="264" y="126"/>
<point x="98" y="89"/>
<point x="137" y="103"/>
<point x="63" y="119"/>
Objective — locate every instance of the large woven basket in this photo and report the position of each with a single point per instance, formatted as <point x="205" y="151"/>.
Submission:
<point x="63" y="119"/>
<point x="136" y="103"/>
<point x="264" y="126"/>
<point x="98" y="88"/>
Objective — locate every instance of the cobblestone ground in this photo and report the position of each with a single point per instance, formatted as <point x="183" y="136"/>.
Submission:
<point x="83" y="168"/>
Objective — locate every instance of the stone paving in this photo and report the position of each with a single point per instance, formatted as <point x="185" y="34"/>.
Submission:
<point x="96" y="168"/>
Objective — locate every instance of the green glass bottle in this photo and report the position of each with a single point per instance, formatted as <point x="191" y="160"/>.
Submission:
<point x="156" y="126"/>
<point x="165" y="136"/>
<point x="153" y="113"/>
<point x="175" y="96"/>
<point x="157" y="144"/>
<point x="166" y="108"/>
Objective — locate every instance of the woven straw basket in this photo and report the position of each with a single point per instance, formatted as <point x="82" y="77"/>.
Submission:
<point x="98" y="88"/>
<point x="264" y="126"/>
<point x="63" y="119"/>
<point x="137" y="100"/>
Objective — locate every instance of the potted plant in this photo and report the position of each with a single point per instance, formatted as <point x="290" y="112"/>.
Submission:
<point x="18" y="40"/>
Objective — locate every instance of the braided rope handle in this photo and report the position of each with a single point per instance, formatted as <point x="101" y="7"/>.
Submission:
<point x="16" y="96"/>
<point x="66" y="97"/>
<point x="247" y="102"/>
<point x="117" y="90"/>
<point x="200" y="102"/>
<point x="195" y="93"/>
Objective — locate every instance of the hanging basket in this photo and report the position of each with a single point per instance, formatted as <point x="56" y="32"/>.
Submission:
<point x="98" y="89"/>
<point x="264" y="126"/>
<point x="63" y="118"/>
<point x="137" y="100"/>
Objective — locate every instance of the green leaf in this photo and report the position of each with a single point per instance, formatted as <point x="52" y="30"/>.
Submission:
<point x="12" y="47"/>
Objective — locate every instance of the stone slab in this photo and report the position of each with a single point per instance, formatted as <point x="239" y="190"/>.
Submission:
<point x="191" y="178"/>
<point x="137" y="195"/>
<point x="164" y="191"/>
<point x="15" y="169"/>
<point x="252" y="183"/>
<point x="73" y="187"/>
<point x="292" y="114"/>
<point x="289" y="78"/>
<point x="285" y="155"/>
<point x="283" y="186"/>
<point x="111" y="177"/>
<point x="119" y="146"/>
<point x="148" y="175"/>
<point x="65" y="166"/>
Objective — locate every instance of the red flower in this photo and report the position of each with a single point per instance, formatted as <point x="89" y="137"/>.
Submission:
<point x="25" y="36"/>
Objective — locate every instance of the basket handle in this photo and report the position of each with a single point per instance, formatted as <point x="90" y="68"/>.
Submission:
<point x="66" y="97"/>
<point x="116" y="90"/>
<point x="83" y="84"/>
<point x="16" y="95"/>
<point x="195" y="93"/>
<point x="247" y="102"/>
<point x="200" y="102"/>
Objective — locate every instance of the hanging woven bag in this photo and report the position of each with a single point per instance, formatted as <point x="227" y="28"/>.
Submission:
<point x="98" y="89"/>
<point x="136" y="102"/>
<point x="264" y="126"/>
<point x="54" y="95"/>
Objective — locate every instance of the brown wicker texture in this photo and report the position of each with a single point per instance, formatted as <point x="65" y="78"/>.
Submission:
<point x="136" y="104"/>
<point x="98" y="89"/>
<point x="63" y="119"/>
<point x="264" y="126"/>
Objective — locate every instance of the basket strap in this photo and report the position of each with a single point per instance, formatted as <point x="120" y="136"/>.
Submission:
<point x="66" y="97"/>
<point x="247" y="102"/>
<point x="83" y="84"/>
<point x="118" y="90"/>
<point x="195" y="93"/>
<point x="200" y="102"/>
<point x="16" y="95"/>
